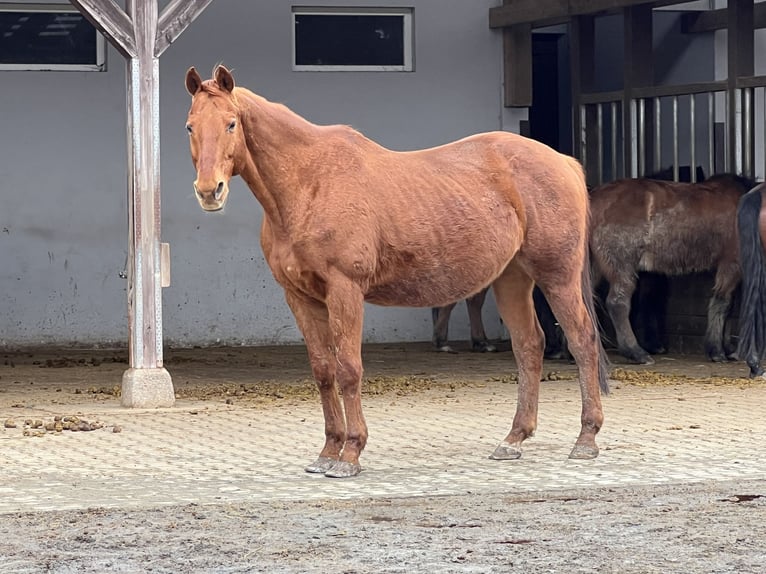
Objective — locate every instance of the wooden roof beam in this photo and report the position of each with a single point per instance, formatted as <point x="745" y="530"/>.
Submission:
<point x="712" y="20"/>
<point x="173" y="21"/>
<point x="112" y="22"/>
<point x="550" y="12"/>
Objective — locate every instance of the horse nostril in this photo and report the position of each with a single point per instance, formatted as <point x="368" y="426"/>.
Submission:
<point x="218" y="191"/>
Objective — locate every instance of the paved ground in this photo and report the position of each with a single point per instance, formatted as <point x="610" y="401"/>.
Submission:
<point x="246" y="422"/>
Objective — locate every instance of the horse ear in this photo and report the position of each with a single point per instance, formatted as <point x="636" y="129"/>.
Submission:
<point x="193" y="81"/>
<point x="224" y="78"/>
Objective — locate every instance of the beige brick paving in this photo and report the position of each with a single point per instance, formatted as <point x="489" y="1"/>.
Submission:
<point x="435" y="442"/>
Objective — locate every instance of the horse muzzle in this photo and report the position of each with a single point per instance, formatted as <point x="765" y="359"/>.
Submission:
<point x="211" y="196"/>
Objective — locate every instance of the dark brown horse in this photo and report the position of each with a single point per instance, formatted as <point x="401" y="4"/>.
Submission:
<point x="348" y="221"/>
<point x="751" y="225"/>
<point x="670" y="228"/>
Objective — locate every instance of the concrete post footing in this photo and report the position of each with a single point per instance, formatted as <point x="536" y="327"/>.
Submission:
<point x="147" y="388"/>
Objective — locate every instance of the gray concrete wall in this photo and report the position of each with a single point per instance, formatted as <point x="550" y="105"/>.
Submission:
<point x="63" y="221"/>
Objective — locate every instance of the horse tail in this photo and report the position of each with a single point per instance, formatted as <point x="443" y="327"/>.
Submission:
<point x="588" y="295"/>
<point x="588" y="292"/>
<point x="752" y="314"/>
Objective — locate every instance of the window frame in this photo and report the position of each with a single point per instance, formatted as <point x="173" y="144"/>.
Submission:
<point x="98" y="66"/>
<point x="408" y="40"/>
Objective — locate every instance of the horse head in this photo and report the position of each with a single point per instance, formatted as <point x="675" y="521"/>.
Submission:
<point x="215" y="136"/>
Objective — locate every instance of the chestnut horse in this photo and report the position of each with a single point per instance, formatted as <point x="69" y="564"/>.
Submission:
<point x="670" y="228"/>
<point x="751" y="226"/>
<point x="348" y="221"/>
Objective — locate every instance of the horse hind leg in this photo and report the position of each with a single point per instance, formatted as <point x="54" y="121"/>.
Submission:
<point x="440" y="317"/>
<point x="479" y="342"/>
<point x="566" y="301"/>
<point x="727" y="279"/>
<point x="618" y="299"/>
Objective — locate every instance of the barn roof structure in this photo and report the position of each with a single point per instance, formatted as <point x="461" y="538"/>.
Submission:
<point x="517" y="19"/>
<point x="141" y="35"/>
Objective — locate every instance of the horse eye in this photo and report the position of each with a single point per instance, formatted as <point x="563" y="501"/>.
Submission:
<point x="231" y="127"/>
<point x="188" y="128"/>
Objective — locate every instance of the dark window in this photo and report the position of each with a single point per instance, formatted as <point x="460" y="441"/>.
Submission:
<point x="48" y="39"/>
<point x="353" y="41"/>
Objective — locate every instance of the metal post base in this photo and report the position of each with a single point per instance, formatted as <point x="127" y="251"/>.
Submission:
<point x="147" y="389"/>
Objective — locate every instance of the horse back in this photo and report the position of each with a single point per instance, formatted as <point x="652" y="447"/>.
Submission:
<point x="663" y="226"/>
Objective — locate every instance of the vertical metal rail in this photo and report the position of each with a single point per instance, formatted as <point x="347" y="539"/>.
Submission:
<point x="675" y="138"/>
<point x="641" y="132"/>
<point x="747" y="132"/>
<point x="711" y="132"/>
<point x="633" y="141"/>
<point x="583" y="137"/>
<point x="727" y="143"/>
<point x="657" y="135"/>
<point x="614" y="140"/>
<point x="600" y="141"/>
<point x="692" y="141"/>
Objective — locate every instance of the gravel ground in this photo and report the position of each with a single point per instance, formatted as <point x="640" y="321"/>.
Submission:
<point x="706" y="527"/>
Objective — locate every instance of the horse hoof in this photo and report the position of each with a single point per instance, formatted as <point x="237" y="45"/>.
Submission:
<point x="583" y="452"/>
<point x="321" y="465"/>
<point x="446" y="349"/>
<point x="343" y="469"/>
<point x="506" y="451"/>
<point x="484" y="348"/>
<point x="640" y="359"/>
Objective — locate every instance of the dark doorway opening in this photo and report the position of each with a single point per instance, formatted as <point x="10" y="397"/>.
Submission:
<point x="550" y="118"/>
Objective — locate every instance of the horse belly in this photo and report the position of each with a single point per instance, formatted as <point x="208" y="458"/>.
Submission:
<point x="432" y="282"/>
<point x="417" y="291"/>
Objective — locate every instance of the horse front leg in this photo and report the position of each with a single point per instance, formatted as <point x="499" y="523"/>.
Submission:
<point x="479" y="342"/>
<point x="513" y="294"/>
<point x="440" y="316"/>
<point x="345" y="307"/>
<point x="312" y="319"/>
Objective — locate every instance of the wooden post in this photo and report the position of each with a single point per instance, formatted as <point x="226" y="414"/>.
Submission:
<point x="582" y="53"/>
<point x="141" y="35"/>
<point x="637" y="72"/>
<point x="741" y="63"/>
<point x="517" y="66"/>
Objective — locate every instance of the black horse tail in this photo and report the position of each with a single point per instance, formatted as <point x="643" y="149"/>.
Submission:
<point x="752" y="314"/>
<point x="588" y="295"/>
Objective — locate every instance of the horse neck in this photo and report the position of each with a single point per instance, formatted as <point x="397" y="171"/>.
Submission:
<point x="278" y="142"/>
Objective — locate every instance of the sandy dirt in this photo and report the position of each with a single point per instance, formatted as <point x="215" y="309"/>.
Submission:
<point x="703" y="527"/>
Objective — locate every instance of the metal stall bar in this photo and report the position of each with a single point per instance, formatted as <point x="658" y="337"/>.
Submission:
<point x="633" y="142"/>
<point x="711" y="133"/>
<point x="641" y="131"/>
<point x="692" y="141"/>
<point x="675" y="138"/>
<point x="614" y="140"/>
<point x="747" y="132"/>
<point x="583" y="137"/>
<point x="600" y="140"/>
<point x="657" y="136"/>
